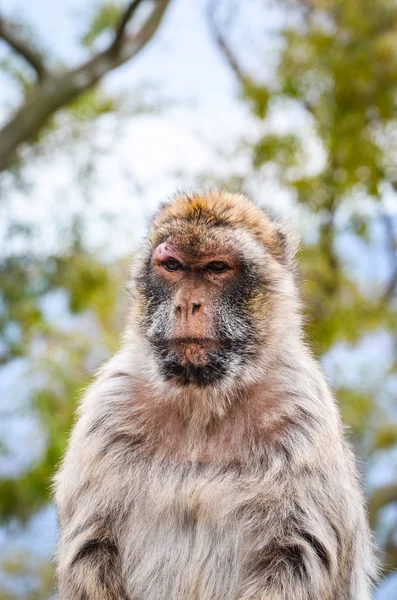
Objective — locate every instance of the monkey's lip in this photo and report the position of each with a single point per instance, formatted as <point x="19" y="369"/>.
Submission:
<point x="193" y="351"/>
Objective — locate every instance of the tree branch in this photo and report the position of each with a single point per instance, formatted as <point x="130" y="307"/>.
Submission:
<point x="243" y="77"/>
<point x="122" y="26"/>
<point x="11" y="34"/>
<point x="60" y="89"/>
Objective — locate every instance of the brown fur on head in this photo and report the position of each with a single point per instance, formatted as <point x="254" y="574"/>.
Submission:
<point x="213" y="288"/>
<point x="224" y="209"/>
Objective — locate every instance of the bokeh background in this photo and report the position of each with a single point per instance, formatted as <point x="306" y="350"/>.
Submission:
<point x="107" y="107"/>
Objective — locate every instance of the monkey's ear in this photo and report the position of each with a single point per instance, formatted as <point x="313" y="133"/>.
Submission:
<point x="287" y="243"/>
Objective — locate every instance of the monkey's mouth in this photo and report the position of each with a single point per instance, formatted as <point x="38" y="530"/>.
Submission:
<point x="193" y="351"/>
<point x="199" y="361"/>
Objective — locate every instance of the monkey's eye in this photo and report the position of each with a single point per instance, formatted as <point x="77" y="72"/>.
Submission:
<point x="217" y="266"/>
<point x="172" y="265"/>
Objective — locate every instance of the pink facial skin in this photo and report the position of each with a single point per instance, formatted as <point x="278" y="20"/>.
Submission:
<point x="163" y="253"/>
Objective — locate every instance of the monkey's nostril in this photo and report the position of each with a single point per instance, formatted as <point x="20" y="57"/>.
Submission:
<point x="178" y="309"/>
<point x="195" y="307"/>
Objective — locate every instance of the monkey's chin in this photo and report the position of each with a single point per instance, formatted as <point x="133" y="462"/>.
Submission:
<point x="190" y="374"/>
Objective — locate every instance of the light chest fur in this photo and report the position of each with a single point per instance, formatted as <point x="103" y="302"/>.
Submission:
<point x="208" y="461"/>
<point x="188" y="526"/>
<point x="184" y="511"/>
<point x="192" y="522"/>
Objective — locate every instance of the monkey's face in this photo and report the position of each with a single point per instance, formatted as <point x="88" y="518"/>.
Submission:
<point x="198" y="289"/>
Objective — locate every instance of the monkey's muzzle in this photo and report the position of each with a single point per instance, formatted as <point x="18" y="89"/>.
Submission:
<point x="193" y="351"/>
<point x="199" y="361"/>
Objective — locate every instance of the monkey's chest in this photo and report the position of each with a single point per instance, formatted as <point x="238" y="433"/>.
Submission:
<point x="187" y="535"/>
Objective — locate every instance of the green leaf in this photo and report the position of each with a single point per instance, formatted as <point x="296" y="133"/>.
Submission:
<point x="105" y="18"/>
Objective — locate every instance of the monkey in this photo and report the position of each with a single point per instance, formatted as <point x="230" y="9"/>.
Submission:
<point x="209" y="460"/>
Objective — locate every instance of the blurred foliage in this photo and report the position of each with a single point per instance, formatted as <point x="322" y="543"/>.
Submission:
<point x="62" y="352"/>
<point x="105" y="19"/>
<point x="24" y="568"/>
<point x="59" y="353"/>
<point x="338" y="75"/>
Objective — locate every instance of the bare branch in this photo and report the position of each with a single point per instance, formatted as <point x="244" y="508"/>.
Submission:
<point x="57" y="91"/>
<point x="131" y="45"/>
<point x="392" y="246"/>
<point x="11" y="34"/>
<point x="125" y="19"/>
<point x="225" y="49"/>
<point x="243" y="76"/>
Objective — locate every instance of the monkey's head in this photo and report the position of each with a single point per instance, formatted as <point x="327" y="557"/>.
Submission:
<point x="215" y="276"/>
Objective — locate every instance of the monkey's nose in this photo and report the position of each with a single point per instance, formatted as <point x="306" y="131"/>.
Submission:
<point x="195" y="307"/>
<point x="188" y="308"/>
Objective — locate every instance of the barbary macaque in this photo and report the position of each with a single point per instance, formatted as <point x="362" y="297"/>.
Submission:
<point x="208" y="461"/>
